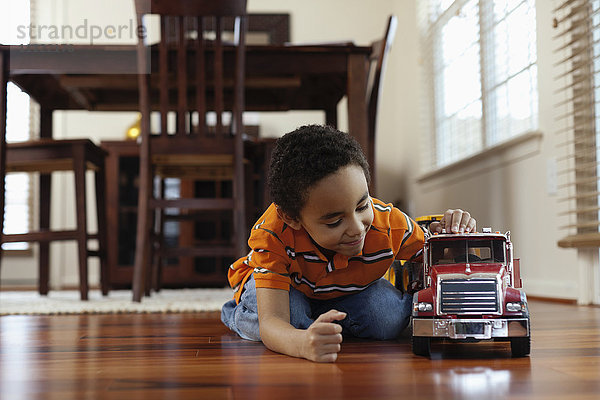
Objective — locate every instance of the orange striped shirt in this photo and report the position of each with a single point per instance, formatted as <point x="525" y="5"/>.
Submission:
<point x="282" y="256"/>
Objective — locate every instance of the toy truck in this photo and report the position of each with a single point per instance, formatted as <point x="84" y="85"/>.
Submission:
<point x="470" y="292"/>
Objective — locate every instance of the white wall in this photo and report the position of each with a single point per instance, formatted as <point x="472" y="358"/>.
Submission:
<point x="506" y="189"/>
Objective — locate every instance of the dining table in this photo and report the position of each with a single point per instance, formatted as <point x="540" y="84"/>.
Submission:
<point x="279" y="77"/>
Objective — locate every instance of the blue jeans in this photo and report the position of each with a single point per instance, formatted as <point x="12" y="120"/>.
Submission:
<point x="379" y="312"/>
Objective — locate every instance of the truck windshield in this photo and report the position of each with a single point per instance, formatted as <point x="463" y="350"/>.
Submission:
<point x="467" y="250"/>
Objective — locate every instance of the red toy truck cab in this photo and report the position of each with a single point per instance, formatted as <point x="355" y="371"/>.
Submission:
<point x="470" y="292"/>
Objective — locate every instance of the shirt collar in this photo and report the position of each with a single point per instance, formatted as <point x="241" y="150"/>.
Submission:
<point x="305" y="244"/>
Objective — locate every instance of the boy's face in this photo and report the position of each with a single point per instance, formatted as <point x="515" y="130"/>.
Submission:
<point x="338" y="211"/>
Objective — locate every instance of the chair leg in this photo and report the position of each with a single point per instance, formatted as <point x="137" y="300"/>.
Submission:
<point x="80" y="197"/>
<point x="250" y="196"/>
<point x="152" y="278"/>
<point x="239" y="212"/>
<point x="331" y="117"/>
<point x="102" y="235"/>
<point x="157" y="258"/>
<point x="149" y="277"/>
<point x="44" y="246"/>
<point x="45" y="186"/>
<point x="142" y="249"/>
<point x="153" y="239"/>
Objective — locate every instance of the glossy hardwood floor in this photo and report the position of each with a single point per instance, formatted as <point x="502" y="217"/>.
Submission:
<point x="192" y="356"/>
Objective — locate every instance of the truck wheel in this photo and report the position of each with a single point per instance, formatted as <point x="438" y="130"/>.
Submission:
<point x="421" y="346"/>
<point x="520" y="346"/>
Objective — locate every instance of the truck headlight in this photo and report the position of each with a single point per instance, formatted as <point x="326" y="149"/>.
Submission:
<point x="515" y="307"/>
<point x="422" y="307"/>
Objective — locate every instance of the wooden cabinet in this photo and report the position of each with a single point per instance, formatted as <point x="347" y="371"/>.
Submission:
<point x="122" y="169"/>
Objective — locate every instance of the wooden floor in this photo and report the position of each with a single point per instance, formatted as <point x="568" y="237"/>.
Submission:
<point x="192" y="356"/>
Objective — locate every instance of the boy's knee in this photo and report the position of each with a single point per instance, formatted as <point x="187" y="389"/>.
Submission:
<point x="383" y="316"/>
<point x="379" y="326"/>
<point x="245" y="323"/>
<point x="241" y="318"/>
<point x="389" y="326"/>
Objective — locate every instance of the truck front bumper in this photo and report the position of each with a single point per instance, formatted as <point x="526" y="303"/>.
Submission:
<point x="470" y="328"/>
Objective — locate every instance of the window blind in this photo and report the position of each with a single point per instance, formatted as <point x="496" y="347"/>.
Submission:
<point x="480" y="69"/>
<point x="577" y="26"/>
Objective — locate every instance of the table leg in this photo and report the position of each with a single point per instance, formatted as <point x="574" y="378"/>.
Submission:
<point x="357" y="100"/>
<point x="331" y="116"/>
<point x="79" y="164"/>
<point x="44" y="204"/>
<point x="4" y="60"/>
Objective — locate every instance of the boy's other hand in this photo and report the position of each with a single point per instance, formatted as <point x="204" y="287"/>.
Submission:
<point x="324" y="337"/>
<point x="454" y="221"/>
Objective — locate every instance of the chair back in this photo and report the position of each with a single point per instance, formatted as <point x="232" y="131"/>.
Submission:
<point x="191" y="71"/>
<point x="185" y="8"/>
<point x="377" y="62"/>
<point x="195" y="70"/>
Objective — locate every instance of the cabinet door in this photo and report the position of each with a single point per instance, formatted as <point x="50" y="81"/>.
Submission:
<point x="180" y="228"/>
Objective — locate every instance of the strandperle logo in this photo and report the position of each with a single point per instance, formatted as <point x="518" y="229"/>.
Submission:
<point x="83" y="31"/>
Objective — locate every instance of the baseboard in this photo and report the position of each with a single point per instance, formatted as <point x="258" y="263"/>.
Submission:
<point x="17" y="288"/>
<point x="29" y="288"/>
<point x="552" y="299"/>
<point x="551" y="289"/>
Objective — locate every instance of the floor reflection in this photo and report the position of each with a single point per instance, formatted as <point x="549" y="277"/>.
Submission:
<point x="475" y="382"/>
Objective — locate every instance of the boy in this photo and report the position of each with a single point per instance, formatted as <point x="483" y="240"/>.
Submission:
<point x="320" y="250"/>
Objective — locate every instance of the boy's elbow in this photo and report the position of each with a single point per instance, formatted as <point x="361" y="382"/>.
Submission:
<point x="279" y="336"/>
<point x="266" y="327"/>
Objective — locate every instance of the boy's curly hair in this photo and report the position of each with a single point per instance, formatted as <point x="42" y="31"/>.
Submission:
<point x="305" y="156"/>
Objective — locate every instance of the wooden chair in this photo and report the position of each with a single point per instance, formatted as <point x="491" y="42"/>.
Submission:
<point x="377" y="62"/>
<point x="46" y="156"/>
<point x="195" y="74"/>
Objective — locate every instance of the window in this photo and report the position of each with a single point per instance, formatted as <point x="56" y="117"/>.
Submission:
<point x="18" y="192"/>
<point x="485" y="251"/>
<point x="481" y="75"/>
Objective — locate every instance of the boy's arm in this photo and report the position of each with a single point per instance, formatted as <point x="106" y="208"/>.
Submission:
<point x="320" y="342"/>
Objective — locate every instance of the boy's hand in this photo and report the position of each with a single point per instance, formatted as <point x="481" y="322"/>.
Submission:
<point x="323" y="337"/>
<point x="454" y="221"/>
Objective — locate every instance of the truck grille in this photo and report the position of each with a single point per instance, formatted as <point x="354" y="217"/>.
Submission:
<point x="475" y="296"/>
